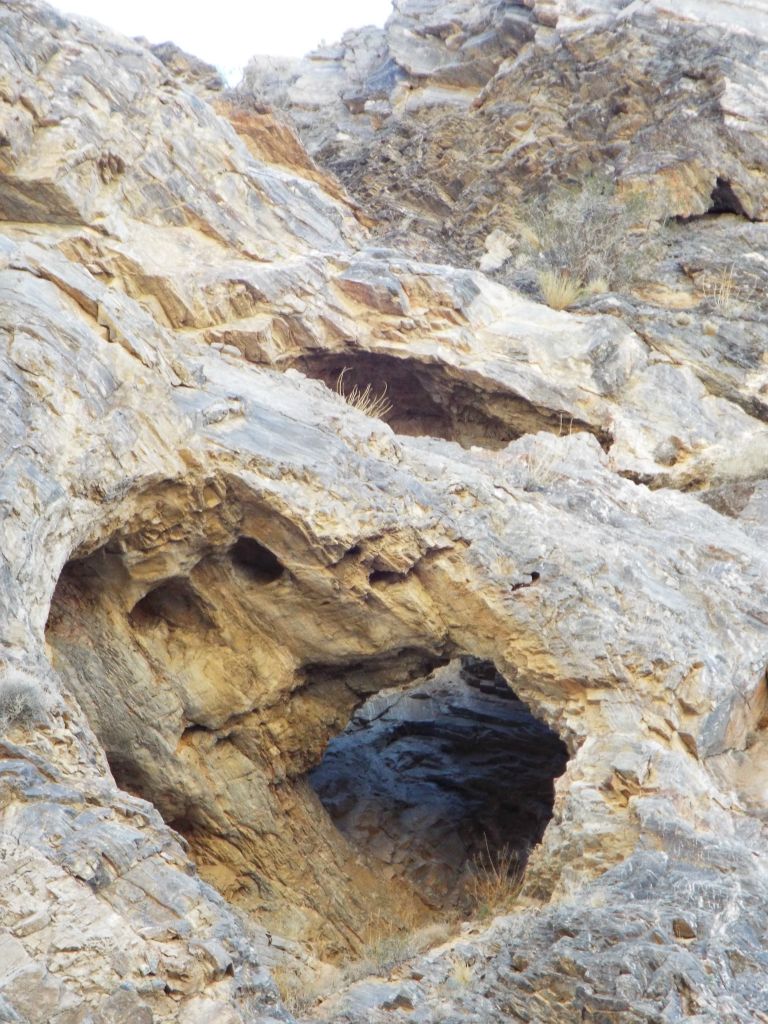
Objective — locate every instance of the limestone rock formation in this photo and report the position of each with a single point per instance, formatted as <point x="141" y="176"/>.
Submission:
<point x="212" y="561"/>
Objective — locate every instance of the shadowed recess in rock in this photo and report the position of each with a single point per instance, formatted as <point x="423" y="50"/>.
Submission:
<point x="256" y="561"/>
<point x="215" y="672"/>
<point x="175" y="603"/>
<point x="725" y="200"/>
<point x="428" y="399"/>
<point x="430" y="780"/>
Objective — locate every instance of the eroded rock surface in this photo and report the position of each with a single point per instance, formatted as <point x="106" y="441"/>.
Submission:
<point x="210" y="560"/>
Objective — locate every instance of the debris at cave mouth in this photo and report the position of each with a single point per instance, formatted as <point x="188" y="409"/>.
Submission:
<point x="440" y="774"/>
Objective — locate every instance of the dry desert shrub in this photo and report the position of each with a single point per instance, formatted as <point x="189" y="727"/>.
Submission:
<point x="367" y="401"/>
<point x="297" y="994"/>
<point x="22" y="702"/>
<point x="495" y="879"/>
<point x="587" y="240"/>
<point x="387" y="945"/>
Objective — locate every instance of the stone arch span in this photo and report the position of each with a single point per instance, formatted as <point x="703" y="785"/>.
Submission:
<point x="217" y="648"/>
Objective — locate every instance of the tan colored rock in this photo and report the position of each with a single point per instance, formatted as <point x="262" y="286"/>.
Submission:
<point x="209" y="561"/>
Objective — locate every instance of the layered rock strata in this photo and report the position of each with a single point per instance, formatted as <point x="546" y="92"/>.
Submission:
<point x="210" y="561"/>
<point x="454" y="116"/>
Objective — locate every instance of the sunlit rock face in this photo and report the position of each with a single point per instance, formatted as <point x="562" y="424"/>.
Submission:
<point x="272" y="666"/>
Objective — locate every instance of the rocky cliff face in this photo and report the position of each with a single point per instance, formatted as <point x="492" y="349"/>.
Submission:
<point x="455" y="114"/>
<point x="212" y="561"/>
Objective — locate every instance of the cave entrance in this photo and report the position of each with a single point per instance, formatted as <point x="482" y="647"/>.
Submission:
<point x="426" y="399"/>
<point x="442" y="779"/>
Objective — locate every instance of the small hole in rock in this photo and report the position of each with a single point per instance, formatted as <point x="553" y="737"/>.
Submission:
<point x="174" y="603"/>
<point x="385" y="576"/>
<point x="725" y="200"/>
<point x="256" y="561"/>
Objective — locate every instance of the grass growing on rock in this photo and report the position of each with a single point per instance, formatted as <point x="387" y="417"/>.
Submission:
<point x="558" y="290"/>
<point x="387" y="944"/>
<point x="494" y="880"/>
<point x="21" y="703"/>
<point x="365" y="400"/>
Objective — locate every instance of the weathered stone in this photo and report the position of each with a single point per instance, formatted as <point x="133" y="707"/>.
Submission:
<point x="489" y="102"/>
<point x="209" y="562"/>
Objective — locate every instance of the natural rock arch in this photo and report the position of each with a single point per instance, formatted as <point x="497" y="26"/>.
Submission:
<point x="215" y="662"/>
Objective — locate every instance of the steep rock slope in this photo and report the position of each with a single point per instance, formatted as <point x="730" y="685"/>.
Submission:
<point x="455" y="115"/>
<point x="209" y="561"/>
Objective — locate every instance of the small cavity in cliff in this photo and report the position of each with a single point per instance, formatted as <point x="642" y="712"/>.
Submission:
<point x="430" y="399"/>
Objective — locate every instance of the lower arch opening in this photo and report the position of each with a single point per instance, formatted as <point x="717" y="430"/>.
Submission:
<point x="446" y="784"/>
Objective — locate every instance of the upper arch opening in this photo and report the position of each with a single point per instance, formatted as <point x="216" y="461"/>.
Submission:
<point x="427" y="400"/>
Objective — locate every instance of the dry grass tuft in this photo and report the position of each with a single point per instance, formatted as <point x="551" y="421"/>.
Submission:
<point x="558" y="289"/>
<point x="366" y="401"/>
<point x="597" y="286"/>
<point x="495" y="879"/>
<point x="21" y="702"/>
<point x="722" y="291"/>
<point x="728" y="292"/>
<point x="461" y="972"/>
<point x="297" y="994"/>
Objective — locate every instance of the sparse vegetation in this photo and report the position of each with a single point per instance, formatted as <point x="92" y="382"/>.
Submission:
<point x="495" y="879"/>
<point x="585" y="241"/>
<point x="558" y="290"/>
<point x="597" y="286"/>
<point x="367" y="401"/>
<point x="541" y="463"/>
<point x="461" y="972"/>
<point x="21" y="702"/>
<point x="727" y="293"/>
<point x="298" y="994"/>
<point x="721" y="291"/>
<point x="493" y="882"/>
<point x="387" y="945"/>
